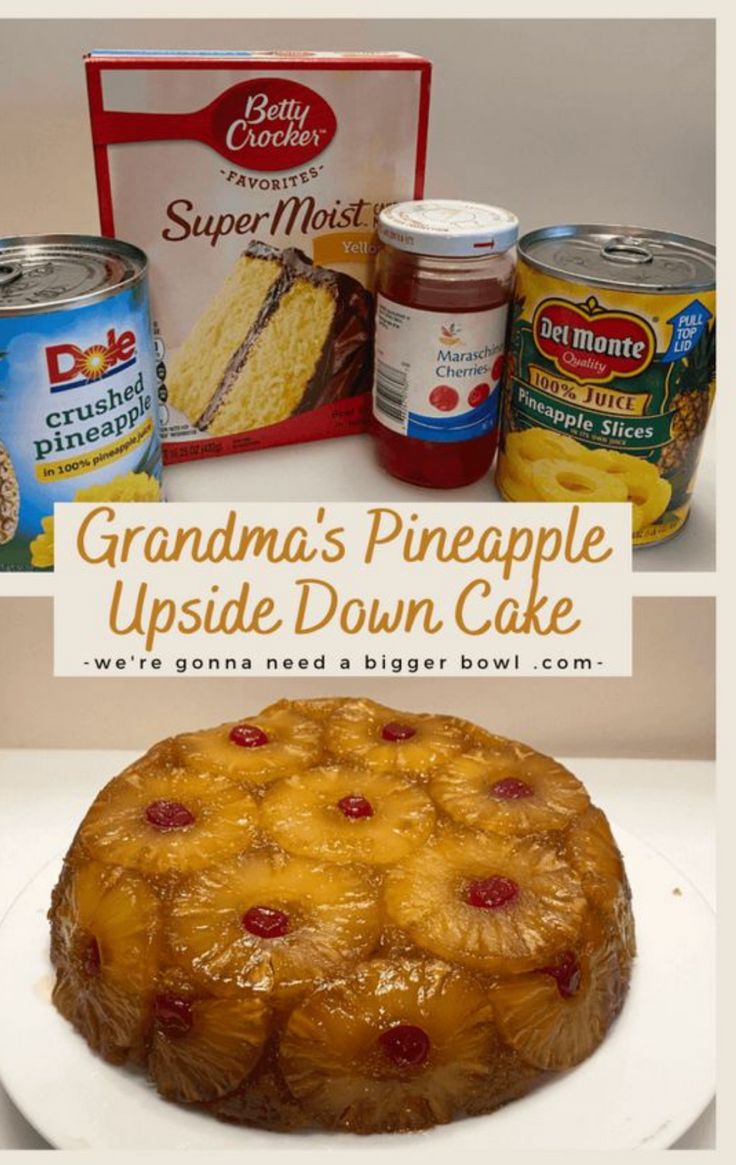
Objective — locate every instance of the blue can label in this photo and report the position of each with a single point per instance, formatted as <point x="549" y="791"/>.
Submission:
<point x="437" y="374"/>
<point x="78" y="417"/>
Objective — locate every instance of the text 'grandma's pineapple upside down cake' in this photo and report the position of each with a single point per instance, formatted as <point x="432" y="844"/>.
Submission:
<point x="337" y="915"/>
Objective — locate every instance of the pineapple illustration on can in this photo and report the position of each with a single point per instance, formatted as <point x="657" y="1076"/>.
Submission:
<point x="78" y="386"/>
<point x="610" y="373"/>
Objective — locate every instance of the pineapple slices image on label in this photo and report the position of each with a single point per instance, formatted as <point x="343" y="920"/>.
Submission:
<point x="397" y="1045"/>
<point x="511" y="791"/>
<point x="370" y="734"/>
<point x="542" y="466"/>
<point x="9" y="497"/>
<point x="271" y="923"/>
<point x="201" y="1049"/>
<point x="497" y="905"/>
<point x="170" y="821"/>
<point x="334" y="914"/>
<point x="339" y="814"/>
<point x="104" y="945"/>
<point x="267" y="746"/>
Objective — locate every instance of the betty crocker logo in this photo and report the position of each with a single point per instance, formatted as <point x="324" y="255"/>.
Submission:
<point x="270" y="123"/>
<point x="589" y="343"/>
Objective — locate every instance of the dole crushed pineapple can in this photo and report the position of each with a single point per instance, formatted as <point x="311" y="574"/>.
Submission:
<point x="78" y="386"/>
<point x="610" y="373"/>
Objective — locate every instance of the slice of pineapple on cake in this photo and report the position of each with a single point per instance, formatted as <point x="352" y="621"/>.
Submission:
<point x="200" y="363"/>
<point x="398" y="1045"/>
<point x="272" y="923"/>
<point x="105" y="937"/>
<point x="175" y="821"/>
<point x="510" y="790"/>
<point x="491" y="903"/>
<point x="263" y="1099"/>
<point x="341" y="814"/>
<point x="363" y="732"/>
<point x="256" y="750"/>
<point x="557" y="1017"/>
<point x="592" y="852"/>
<point x="203" y="1048"/>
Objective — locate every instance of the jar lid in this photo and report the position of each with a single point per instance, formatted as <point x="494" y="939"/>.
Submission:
<point x="448" y="226"/>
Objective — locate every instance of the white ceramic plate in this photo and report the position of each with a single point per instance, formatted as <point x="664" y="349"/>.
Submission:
<point x="643" y="1088"/>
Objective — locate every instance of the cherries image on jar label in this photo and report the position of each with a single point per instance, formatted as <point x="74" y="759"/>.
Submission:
<point x="444" y="398"/>
<point x="497" y="370"/>
<point x="477" y="395"/>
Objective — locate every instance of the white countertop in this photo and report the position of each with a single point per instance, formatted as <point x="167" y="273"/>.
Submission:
<point x="346" y="470"/>
<point x="44" y="794"/>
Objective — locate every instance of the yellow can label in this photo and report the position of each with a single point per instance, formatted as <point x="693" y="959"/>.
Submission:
<point x="607" y="395"/>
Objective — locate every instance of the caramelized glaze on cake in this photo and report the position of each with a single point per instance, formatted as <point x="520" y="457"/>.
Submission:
<point x="333" y="914"/>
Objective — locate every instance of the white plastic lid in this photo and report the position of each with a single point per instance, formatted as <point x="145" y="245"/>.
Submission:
<point x="448" y="226"/>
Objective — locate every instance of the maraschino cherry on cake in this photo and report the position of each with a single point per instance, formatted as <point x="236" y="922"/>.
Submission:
<point x="336" y="915"/>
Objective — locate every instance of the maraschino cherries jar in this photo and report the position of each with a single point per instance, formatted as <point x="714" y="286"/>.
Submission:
<point x="444" y="281"/>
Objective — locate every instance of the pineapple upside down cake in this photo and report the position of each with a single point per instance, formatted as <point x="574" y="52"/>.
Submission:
<point x="337" y="915"/>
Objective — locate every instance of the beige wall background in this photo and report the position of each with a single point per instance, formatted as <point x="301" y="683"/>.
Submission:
<point x="665" y="710"/>
<point x="598" y="121"/>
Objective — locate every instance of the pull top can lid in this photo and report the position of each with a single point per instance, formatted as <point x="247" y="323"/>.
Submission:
<point x="622" y="256"/>
<point x="44" y="273"/>
<point x="448" y="227"/>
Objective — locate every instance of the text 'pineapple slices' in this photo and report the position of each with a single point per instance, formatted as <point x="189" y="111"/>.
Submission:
<point x="272" y="744"/>
<point x="163" y="822"/>
<point x="271" y="923"/>
<point x="365" y="733"/>
<point x="496" y="904"/>
<point x="104" y="944"/>
<point x="202" y="1049"/>
<point x="398" y="1045"/>
<point x="340" y="814"/>
<point x="556" y="1017"/>
<point x="512" y="791"/>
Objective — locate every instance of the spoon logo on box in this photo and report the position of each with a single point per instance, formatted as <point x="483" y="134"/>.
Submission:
<point x="271" y="123"/>
<point x="70" y="366"/>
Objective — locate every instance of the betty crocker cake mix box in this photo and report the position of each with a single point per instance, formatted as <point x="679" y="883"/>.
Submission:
<point x="253" y="181"/>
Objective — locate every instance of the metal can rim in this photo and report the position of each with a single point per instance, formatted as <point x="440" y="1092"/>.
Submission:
<point x="96" y="243"/>
<point x="573" y="230"/>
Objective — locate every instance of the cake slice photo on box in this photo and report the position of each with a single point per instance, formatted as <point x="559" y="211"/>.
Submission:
<point x="282" y="336"/>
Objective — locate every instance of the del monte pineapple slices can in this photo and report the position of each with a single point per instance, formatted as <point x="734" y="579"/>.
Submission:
<point x="610" y="374"/>
<point x="78" y="385"/>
